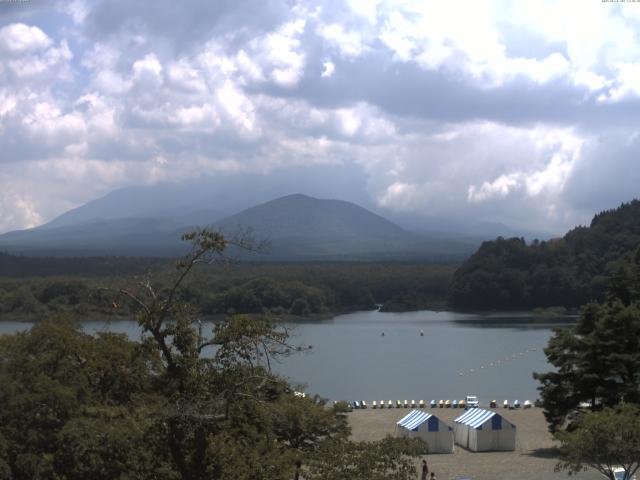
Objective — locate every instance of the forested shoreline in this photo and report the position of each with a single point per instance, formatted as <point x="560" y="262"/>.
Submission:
<point x="503" y="274"/>
<point x="77" y="406"/>
<point x="569" y="271"/>
<point x="301" y="290"/>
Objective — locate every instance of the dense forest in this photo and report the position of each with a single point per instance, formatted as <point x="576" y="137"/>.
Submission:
<point x="568" y="271"/>
<point x="75" y="406"/>
<point x="23" y="266"/>
<point x="282" y="290"/>
<point x="502" y="274"/>
<point x="597" y="360"/>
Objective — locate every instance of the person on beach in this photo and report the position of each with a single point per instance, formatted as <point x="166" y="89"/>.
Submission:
<point x="433" y="476"/>
<point x="425" y="470"/>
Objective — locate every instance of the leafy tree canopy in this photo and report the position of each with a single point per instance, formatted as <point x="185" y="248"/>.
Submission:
<point x="568" y="271"/>
<point x="603" y="440"/>
<point x="77" y="406"/>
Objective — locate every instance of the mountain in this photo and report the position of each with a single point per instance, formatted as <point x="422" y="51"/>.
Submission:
<point x="223" y="194"/>
<point x="209" y="198"/>
<point x="297" y="227"/>
<point x="124" y="237"/>
<point x="568" y="271"/>
<point x="301" y="226"/>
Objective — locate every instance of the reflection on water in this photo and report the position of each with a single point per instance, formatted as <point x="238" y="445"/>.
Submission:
<point x="414" y="355"/>
<point x="522" y="322"/>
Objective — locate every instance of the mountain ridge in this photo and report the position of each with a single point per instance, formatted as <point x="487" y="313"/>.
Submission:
<point x="299" y="227"/>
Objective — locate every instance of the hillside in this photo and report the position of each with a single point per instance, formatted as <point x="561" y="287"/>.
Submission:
<point x="120" y="237"/>
<point x="217" y="196"/>
<point x="302" y="226"/>
<point x="295" y="226"/>
<point x="569" y="271"/>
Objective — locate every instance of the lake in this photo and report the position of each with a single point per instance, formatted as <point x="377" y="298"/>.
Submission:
<point x="489" y="355"/>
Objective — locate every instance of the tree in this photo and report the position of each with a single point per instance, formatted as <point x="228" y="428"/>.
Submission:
<point x="180" y="404"/>
<point x="597" y="361"/>
<point x="603" y="440"/>
<point x="70" y="401"/>
<point x="387" y="459"/>
<point x="220" y="404"/>
<point x="508" y="273"/>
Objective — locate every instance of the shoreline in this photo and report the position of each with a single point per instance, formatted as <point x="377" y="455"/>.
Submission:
<point x="534" y="458"/>
<point x="508" y="316"/>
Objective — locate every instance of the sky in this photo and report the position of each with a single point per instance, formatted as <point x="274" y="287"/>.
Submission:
<point x="520" y="112"/>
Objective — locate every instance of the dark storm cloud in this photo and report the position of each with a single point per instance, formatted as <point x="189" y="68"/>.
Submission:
<point x="405" y="88"/>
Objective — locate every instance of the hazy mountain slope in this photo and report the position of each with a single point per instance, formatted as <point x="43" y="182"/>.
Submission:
<point x="132" y="236"/>
<point x="302" y="216"/>
<point x="302" y="226"/>
<point x="158" y="201"/>
<point x="224" y="193"/>
<point x="296" y="226"/>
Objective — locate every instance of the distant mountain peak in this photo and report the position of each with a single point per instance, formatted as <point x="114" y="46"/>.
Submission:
<point x="296" y="196"/>
<point x="298" y="226"/>
<point x="301" y="215"/>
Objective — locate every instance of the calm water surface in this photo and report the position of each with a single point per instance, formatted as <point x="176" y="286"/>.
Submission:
<point x="492" y="356"/>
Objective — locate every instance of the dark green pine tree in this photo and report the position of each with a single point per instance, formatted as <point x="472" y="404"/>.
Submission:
<point x="598" y="361"/>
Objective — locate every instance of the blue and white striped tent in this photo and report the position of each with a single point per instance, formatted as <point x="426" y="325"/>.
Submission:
<point x="437" y="434"/>
<point x="483" y="430"/>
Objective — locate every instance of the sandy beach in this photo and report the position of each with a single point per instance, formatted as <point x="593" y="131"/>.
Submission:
<point x="534" y="457"/>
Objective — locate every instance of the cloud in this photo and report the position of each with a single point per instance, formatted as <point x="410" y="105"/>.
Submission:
<point x="626" y="85"/>
<point x="501" y="186"/>
<point x="327" y="69"/>
<point x="608" y="172"/>
<point x="18" y="38"/>
<point x="28" y="53"/>
<point x="347" y="43"/>
<point x="486" y="170"/>
<point x="17" y="209"/>
<point x="491" y="110"/>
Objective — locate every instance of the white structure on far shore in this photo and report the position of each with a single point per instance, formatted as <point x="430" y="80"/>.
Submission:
<point x="483" y="430"/>
<point x="437" y="434"/>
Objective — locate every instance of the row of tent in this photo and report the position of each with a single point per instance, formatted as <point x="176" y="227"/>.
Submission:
<point x="477" y="430"/>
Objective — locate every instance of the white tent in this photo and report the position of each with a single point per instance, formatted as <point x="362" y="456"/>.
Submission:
<point x="482" y="430"/>
<point x="436" y="433"/>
